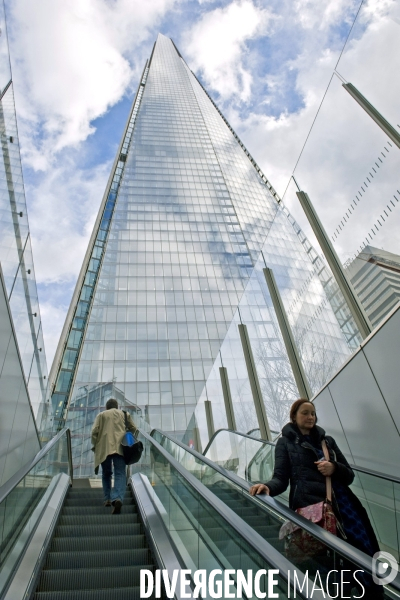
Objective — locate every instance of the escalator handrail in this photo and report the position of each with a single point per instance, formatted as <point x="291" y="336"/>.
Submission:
<point x="338" y="545"/>
<point x="15" y="479"/>
<point x="246" y="435"/>
<point x="272" y="556"/>
<point x="390" y="478"/>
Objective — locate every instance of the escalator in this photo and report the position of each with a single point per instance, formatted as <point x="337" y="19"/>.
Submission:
<point x="253" y="460"/>
<point x="232" y="487"/>
<point x="94" y="555"/>
<point x="181" y="512"/>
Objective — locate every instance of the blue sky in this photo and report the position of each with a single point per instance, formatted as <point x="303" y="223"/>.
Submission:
<point x="76" y="66"/>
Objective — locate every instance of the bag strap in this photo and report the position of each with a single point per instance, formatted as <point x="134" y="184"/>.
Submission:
<point x="328" y="479"/>
<point x="126" y="420"/>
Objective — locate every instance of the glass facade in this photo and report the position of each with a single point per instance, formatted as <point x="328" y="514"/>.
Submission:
<point x="191" y="223"/>
<point x="349" y="165"/>
<point x="15" y="244"/>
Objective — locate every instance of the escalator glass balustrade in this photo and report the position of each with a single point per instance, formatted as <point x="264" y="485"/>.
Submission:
<point x="226" y="479"/>
<point x="253" y="460"/>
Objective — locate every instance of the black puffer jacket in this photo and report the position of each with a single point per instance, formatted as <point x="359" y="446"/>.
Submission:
<point x="295" y="464"/>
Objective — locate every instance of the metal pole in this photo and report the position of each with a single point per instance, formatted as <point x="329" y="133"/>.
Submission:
<point x="226" y="390"/>
<point x="360" y="317"/>
<point x="290" y="344"/>
<point x="210" y="418"/>
<point x="255" y="384"/>
<point x="373" y="113"/>
<point x="196" y="439"/>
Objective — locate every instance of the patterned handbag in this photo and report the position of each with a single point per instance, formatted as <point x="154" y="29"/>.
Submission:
<point x="299" y="544"/>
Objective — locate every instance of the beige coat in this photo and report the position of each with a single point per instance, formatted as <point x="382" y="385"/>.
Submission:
<point x="107" y="433"/>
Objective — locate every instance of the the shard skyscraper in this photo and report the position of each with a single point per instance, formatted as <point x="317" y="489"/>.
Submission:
<point x="187" y="224"/>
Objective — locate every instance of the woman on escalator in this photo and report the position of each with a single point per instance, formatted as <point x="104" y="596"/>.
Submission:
<point x="300" y="461"/>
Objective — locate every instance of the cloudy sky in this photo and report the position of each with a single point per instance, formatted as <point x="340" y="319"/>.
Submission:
<point x="267" y="64"/>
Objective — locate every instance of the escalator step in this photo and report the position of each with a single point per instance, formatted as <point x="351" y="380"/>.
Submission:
<point x="94" y="530"/>
<point x="278" y="544"/>
<point x="105" y="594"/>
<point x="210" y="522"/>
<point x="91" y="579"/>
<point x="221" y="537"/>
<point x="242" y="508"/>
<point x="258" y="521"/>
<point x="92" y="501"/>
<point x="95" y="494"/>
<point x="98" y="559"/>
<point x="105" y="519"/>
<point x="93" y="543"/>
<point x="96" y="510"/>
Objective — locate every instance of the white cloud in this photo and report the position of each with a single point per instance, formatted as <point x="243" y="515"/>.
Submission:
<point x="276" y="141"/>
<point x="309" y="14"/>
<point x="74" y="60"/>
<point x="344" y="143"/>
<point x="53" y="317"/>
<point x="216" y="46"/>
<point x="63" y="208"/>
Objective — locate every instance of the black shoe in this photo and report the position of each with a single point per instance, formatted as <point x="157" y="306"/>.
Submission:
<point x="107" y="503"/>
<point x="117" y="504"/>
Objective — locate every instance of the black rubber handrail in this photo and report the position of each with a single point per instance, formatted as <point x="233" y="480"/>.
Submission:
<point x="338" y="545"/>
<point x="354" y="467"/>
<point x="9" y="485"/>
<point x="261" y="546"/>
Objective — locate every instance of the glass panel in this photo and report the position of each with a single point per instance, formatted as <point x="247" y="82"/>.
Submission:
<point x="5" y="68"/>
<point x="381" y="500"/>
<point x="254" y="462"/>
<point x="17" y="508"/>
<point x="202" y="536"/>
<point x="169" y="489"/>
<point x="15" y="249"/>
<point x="356" y="194"/>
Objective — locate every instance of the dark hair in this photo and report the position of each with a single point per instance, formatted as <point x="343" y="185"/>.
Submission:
<point x="111" y="403"/>
<point x="295" y="407"/>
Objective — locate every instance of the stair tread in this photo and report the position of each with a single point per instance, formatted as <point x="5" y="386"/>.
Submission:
<point x="96" y="510"/>
<point x="88" y="543"/>
<point x="96" y="578"/>
<point x="98" y="520"/>
<point x="97" y="559"/>
<point x="119" y="593"/>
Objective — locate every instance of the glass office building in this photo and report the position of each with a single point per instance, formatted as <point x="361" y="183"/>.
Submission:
<point x="187" y="224"/>
<point x="375" y="274"/>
